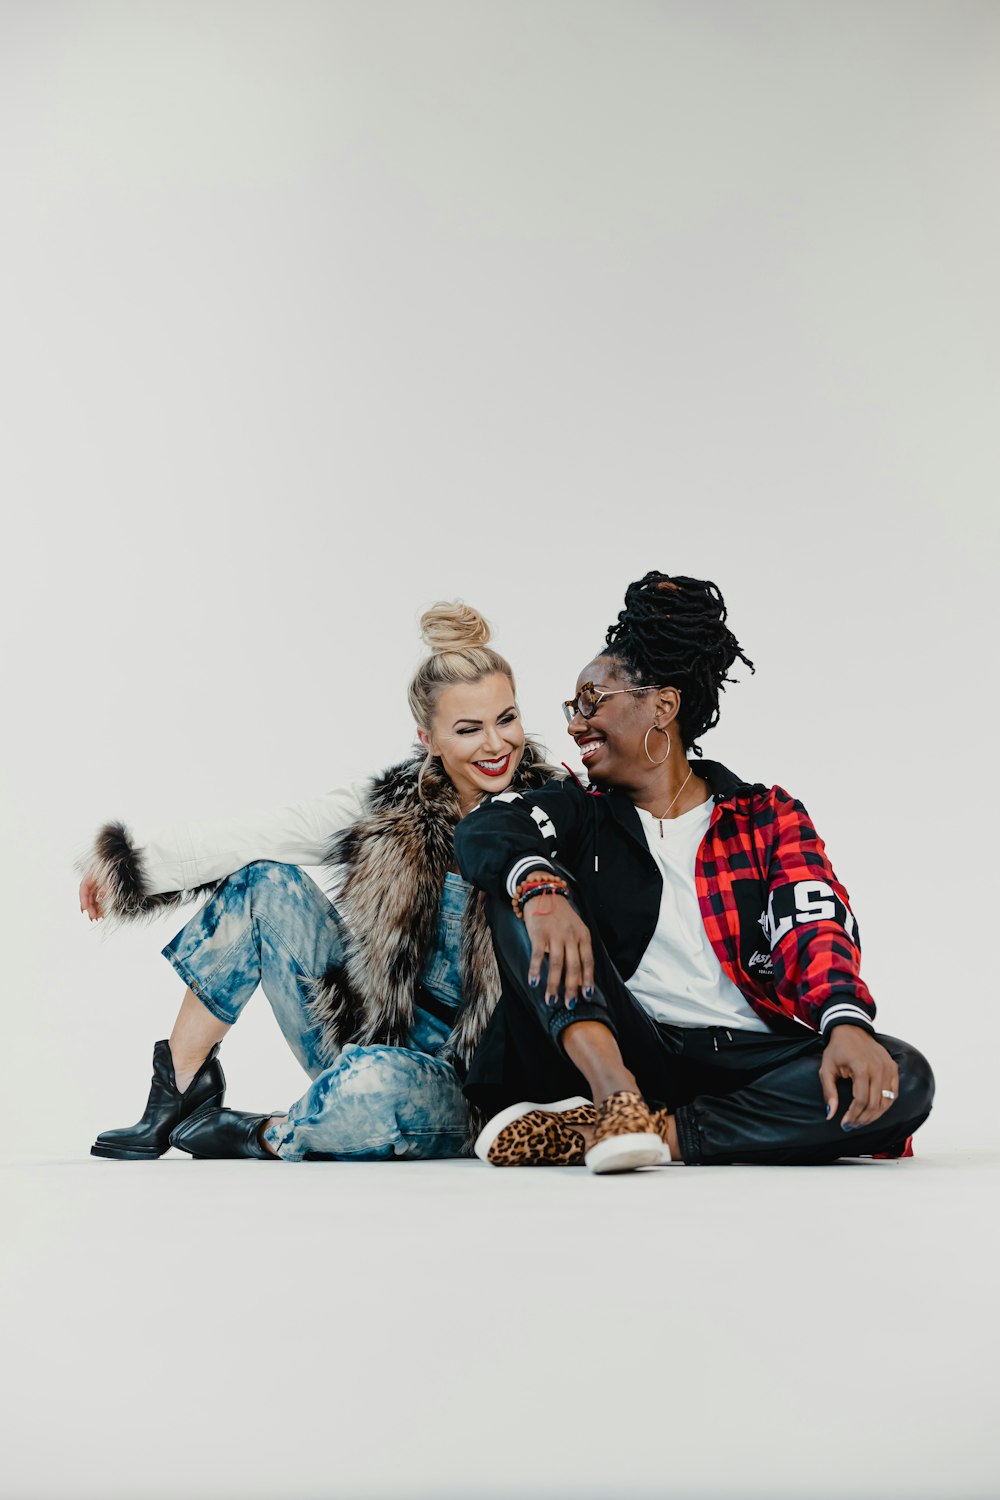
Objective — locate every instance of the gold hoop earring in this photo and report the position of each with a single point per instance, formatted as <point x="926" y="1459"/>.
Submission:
<point x="645" y="744"/>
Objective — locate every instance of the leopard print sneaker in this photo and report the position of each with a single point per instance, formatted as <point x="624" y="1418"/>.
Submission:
<point x="537" y="1135"/>
<point x="625" y="1135"/>
<point x="660" y="1118"/>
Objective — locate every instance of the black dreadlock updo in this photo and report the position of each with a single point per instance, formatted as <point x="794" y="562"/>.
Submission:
<point x="673" y="633"/>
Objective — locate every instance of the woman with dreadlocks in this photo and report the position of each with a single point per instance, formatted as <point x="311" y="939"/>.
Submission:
<point x="673" y="938"/>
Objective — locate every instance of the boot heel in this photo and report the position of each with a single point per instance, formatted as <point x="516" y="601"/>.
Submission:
<point x="166" y="1107"/>
<point x="210" y="1106"/>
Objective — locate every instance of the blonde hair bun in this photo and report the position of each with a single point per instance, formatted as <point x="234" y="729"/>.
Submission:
<point x="457" y="637"/>
<point x="453" y="627"/>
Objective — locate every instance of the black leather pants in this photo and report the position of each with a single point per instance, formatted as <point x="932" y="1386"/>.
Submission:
<point x="738" y="1096"/>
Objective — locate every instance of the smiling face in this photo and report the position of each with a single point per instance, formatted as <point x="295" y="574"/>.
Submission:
<point x="477" y="732"/>
<point x="611" y="743"/>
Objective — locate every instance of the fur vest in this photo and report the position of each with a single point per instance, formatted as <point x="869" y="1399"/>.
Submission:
<point x="393" y="863"/>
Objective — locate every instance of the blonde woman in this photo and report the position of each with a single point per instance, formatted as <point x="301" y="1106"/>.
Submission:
<point x="384" y="997"/>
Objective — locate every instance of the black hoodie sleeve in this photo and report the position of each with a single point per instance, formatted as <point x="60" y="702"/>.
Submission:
<point x="509" y="835"/>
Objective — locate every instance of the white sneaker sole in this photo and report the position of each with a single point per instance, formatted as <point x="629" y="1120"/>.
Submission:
<point x="624" y="1153"/>
<point x="493" y="1127"/>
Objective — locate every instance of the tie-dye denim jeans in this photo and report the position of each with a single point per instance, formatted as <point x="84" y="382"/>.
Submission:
<point x="270" y="925"/>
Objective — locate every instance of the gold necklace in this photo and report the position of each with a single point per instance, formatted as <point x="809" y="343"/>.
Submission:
<point x="673" y="799"/>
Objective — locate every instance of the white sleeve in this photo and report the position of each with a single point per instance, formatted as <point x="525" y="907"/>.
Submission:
<point x="186" y="855"/>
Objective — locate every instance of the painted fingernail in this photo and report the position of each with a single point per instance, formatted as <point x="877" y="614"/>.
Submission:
<point x="550" y="999"/>
<point x="533" y="981"/>
<point x="829" y="1110"/>
<point x="846" y="1126"/>
<point x="588" y="993"/>
<point x="571" y="1002"/>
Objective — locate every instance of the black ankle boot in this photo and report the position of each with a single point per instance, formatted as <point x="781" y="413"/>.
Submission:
<point x="165" y="1108"/>
<point x="222" y="1134"/>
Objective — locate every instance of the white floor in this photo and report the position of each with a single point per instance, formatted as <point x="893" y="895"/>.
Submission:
<point x="181" y="1329"/>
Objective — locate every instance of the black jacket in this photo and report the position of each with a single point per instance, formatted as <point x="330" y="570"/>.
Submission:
<point x="778" y="919"/>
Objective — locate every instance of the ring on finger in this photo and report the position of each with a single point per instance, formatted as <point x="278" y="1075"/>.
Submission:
<point x="888" y="1094"/>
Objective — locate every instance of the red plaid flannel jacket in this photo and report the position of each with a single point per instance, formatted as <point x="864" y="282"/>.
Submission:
<point x="778" y="918"/>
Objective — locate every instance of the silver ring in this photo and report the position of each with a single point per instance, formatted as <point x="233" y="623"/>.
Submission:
<point x="888" y="1094"/>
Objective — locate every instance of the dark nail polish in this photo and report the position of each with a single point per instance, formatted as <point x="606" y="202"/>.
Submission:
<point x="588" y="993"/>
<point x="533" y="981"/>
<point x="829" y="1110"/>
<point x="845" y="1126"/>
<point x="571" y="1003"/>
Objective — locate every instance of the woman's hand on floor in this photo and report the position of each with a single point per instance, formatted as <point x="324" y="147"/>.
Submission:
<point x="555" y="929"/>
<point x="855" y="1054"/>
<point x="91" y="898"/>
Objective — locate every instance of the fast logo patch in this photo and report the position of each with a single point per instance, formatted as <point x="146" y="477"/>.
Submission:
<point x="802" y="901"/>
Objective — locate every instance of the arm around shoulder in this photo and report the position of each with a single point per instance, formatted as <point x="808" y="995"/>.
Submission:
<point x="510" y="834"/>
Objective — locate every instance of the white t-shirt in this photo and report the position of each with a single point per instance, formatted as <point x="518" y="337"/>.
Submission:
<point x="679" y="979"/>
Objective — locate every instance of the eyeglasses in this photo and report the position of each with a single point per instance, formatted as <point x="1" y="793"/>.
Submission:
<point x="590" y="697"/>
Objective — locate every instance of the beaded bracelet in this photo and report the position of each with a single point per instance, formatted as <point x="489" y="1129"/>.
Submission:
<point x="541" y="890"/>
<point x="539" y="877"/>
<point x="538" y="885"/>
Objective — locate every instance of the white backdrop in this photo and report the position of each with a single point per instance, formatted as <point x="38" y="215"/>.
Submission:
<point x="313" y="313"/>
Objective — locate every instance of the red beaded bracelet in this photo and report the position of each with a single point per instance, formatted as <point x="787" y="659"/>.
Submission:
<point x="538" y="884"/>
